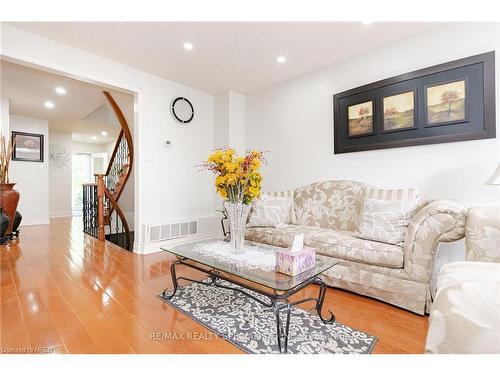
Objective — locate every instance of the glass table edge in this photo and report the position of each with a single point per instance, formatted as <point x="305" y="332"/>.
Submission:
<point x="333" y="263"/>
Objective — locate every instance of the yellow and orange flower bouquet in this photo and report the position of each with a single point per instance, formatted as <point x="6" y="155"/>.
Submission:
<point x="238" y="178"/>
<point x="238" y="181"/>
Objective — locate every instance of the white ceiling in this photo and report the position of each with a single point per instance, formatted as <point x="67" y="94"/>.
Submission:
<point x="28" y="89"/>
<point x="238" y="56"/>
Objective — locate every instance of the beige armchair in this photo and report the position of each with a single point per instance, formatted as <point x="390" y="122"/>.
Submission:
<point x="482" y="234"/>
<point x="465" y="316"/>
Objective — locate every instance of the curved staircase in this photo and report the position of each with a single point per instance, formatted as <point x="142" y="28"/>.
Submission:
<point x="102" y="215"/>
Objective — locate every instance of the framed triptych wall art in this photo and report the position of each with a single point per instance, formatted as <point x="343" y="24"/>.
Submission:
<point x="450" y="102"/>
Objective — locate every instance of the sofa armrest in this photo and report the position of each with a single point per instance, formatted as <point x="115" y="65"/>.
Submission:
<point x="439" y="221"/>
<point x="482" y="234"/>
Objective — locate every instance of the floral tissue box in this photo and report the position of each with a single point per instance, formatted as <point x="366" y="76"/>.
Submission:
<point x="293" y="263"/>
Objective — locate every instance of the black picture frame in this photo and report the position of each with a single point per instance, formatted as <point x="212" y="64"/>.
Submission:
<point x="15" y="153"/>
<point x="477" y="70"/>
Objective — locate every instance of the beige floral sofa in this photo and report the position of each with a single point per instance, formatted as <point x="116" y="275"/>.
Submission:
<point x="328" y="212"/>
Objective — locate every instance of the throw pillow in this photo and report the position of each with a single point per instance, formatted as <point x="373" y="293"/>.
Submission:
<point x="387" y="220"/>
<point x="269" y="212"/>
<point x="288" y="194"/>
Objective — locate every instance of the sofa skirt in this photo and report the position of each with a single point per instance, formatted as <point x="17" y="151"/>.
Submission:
<point x="407" y="294"/>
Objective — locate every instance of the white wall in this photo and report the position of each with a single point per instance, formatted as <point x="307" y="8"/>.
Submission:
<point x="88" y="148"/>
<point x="229" y="119"/>
<point x="4" y="116"/>
<point x="60" y="178"/>
<point x="221" y="119"/>
<point x="168" y="187"/>
<point x="31" y="178"/>
<point x="294" y="121"/>
<point x="237" y="121"/>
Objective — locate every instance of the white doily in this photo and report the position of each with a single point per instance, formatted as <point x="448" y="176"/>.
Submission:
<point x="254" y="256"/>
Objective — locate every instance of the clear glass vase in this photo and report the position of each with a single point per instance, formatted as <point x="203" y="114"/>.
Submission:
<point x="237" y="214"/>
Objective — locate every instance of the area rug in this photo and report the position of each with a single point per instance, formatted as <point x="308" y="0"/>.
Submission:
<point x="252" y="327"/>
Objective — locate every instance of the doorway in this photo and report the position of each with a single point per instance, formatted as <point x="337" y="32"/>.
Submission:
<point x="80" y="174"/>
<point x="84" y="125"/>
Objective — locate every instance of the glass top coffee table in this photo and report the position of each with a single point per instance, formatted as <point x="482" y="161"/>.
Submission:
<point x="274" y="288"/>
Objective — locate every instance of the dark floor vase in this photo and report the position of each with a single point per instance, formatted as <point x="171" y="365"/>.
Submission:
<point x="17" y="221"/>
<point x="4" y="223"/>
<point x="9" y="198"/>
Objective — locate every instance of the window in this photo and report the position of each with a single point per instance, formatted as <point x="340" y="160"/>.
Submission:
<point x="80" y="174"/>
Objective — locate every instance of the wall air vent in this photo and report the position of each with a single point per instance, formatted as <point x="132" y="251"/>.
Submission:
<point x="162" y="232"/>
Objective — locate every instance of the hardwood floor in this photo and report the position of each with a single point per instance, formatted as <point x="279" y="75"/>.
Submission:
<point x="65" y="292"/>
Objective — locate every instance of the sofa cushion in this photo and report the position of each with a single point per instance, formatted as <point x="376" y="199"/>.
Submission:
<point x="330" y="204"/>
<point x="269" y="211"/>
<point x="282" y="236"/>
<point x="345" y="245"/>
<point x="387" y="220"/>
<point x="334" y="243"/>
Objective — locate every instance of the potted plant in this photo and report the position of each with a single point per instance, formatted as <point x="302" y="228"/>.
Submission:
<point x="238" y="182"/>
<point x="9" y="197"/>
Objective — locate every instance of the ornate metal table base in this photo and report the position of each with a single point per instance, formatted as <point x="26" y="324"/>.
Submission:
<point x="277" y="302"/>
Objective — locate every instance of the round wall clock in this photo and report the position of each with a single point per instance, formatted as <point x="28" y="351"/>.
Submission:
<point x="182" y="110"/>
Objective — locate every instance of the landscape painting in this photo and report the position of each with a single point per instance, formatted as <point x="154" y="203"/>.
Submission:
<point x="27" y="147"/>
<point x="446" y="103"/>
<point x="399" y="111"/>
<point x="360" y="119"/>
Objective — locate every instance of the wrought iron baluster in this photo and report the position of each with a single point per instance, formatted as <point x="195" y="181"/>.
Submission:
<point x="89" y="209"/>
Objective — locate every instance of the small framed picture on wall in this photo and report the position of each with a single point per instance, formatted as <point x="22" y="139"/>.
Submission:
<point x="360" y="118"/>
<point x="399" y="111"/>
<point x="446" y="103"/>
<point x="27" y="147"/>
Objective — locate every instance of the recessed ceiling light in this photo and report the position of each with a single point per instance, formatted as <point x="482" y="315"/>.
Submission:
<point x="49" y="104"/>
<point x="93" y="138"/>
<point x="280" y="59"/>
<point x="366" y="23"/>
<point x="104" y="134"/>
<point x="60" y="90"/>
<point x="188" y="46"/>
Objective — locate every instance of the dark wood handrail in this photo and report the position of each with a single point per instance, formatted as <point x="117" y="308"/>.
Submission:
<point x="125" y="130"/>
<point x="115" y="149"/>
<point x="102" y="190"/>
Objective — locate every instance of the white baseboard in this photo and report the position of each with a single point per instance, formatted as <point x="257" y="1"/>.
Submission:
<point x="137" y="247"/>
<point x="156" y="246"/>
<point x="30" y="222"/>
<point x="60" y="214"/>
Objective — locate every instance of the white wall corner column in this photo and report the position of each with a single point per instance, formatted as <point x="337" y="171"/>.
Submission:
<point x="4" y="116"/>
<point x="229" y="120"/>
<point x="60" y="176"/>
